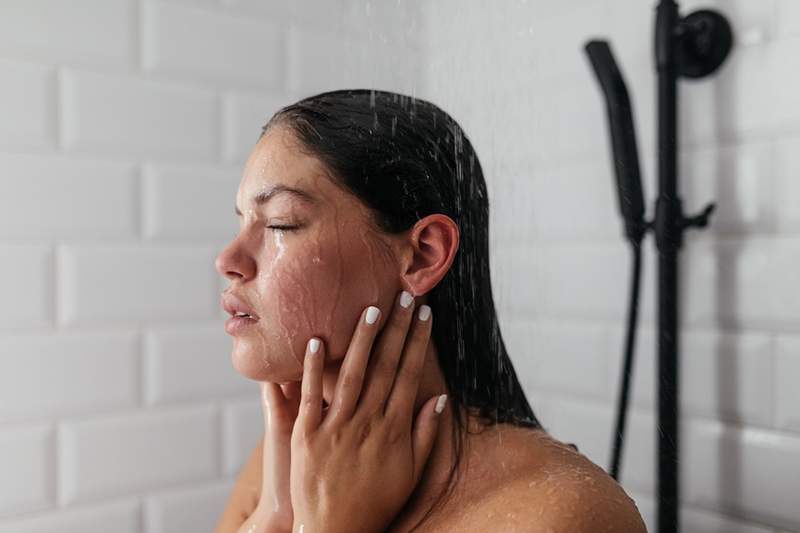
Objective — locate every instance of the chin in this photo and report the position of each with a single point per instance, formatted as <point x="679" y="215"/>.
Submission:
<point x="254" y="365"/>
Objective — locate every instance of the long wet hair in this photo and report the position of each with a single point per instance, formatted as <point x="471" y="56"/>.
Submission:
<point x="405" y="159"/>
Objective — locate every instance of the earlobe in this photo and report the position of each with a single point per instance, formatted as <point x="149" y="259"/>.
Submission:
<point x="432" y="245"/>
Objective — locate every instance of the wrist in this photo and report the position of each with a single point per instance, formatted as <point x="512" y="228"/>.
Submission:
<point x="300" y="526"/>
<point x="265" y="522"/>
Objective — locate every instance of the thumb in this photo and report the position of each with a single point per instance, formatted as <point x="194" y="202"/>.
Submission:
<point x="278" y="404"/>
<point x="424" y="433"/>
<point x="272" y="401"/>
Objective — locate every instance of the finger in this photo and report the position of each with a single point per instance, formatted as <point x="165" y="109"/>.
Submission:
<point x="426" y="428"/>
<point x="351" y="375"/>
<point x="386" y="354"/>
<point x="404" y="392"/>
<point x="310" y="412"/>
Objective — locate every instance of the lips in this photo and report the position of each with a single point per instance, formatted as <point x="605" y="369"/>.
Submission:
<point x="235" y="305"/>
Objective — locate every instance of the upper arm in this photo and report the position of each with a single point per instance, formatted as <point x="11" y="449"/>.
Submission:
<point x="245" y="494"/>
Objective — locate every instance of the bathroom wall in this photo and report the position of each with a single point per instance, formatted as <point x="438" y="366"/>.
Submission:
<point x="125" y="127"/>
<point x="516" y="77"/>
<point x="123" y="132"/>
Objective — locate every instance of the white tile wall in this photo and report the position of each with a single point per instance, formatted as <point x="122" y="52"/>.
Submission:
<point x="177" y="445"/>
<point x="184" y="202"/>
<point x="27" y="460"/>
<point x="242" y="426"/>
<point x="204" y="44"/>
<point x="27" y="94"/>
<point x="125" y="127"/>
<point x="169" y="352"/>
<point x="85" y="32"/>
<point x="26" y="278"/>
<point x="122" y="516"/>
<point x="516" y="77"/>
<point x="55" y="374"/>
<point x="191" y="509"/>
<point x="55" y="198"/>
<point x="127" y="116"/>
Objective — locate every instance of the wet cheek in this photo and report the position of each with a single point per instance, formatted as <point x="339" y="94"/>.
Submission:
<point x="318" y="289"/>
<point x="329" y="294"/>
<point x="366" y="274"/>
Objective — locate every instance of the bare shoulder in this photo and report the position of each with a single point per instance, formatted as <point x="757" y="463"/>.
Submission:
<point x="565" y="498"/>
<point x="565" y="492"/>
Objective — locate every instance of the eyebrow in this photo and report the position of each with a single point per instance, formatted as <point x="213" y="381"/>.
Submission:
<point x="266" y="195"/>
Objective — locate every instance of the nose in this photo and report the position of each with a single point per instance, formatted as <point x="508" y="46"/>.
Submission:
<point x="234" y="262"/>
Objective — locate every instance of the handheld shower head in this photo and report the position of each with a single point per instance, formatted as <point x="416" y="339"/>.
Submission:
<point x="623" y="137"/>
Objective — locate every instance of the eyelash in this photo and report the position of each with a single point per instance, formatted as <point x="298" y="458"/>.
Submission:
<point x="283" y="228"/>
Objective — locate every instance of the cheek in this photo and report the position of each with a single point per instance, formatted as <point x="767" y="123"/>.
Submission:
<point x="314" y="287"/>
<point x="323" y="291"/>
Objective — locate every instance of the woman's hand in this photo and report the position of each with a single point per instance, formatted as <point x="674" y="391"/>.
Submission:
<point x="355" y="464"/>
<point x="273" y="513"/>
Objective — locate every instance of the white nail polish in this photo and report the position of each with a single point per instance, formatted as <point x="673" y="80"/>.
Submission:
<point x="313" y="345"/>
<point x="372" y="314"/>
<point x="440" y="403"/>
<point x="424" y="312"/>
<point x="406" y="298"/>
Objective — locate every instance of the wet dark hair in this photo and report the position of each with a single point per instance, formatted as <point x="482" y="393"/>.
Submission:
<point x="406" y="159"/>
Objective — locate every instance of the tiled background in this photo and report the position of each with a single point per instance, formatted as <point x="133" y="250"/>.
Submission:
<point x="125" y="125"/>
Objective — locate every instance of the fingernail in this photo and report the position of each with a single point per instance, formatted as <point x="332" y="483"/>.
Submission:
<point x="440" y="403"/>
<point x="424" y="312"/>
<point x="372" y="314"/>
<point x="313" y="345"/>
<point x="406" y="298"/>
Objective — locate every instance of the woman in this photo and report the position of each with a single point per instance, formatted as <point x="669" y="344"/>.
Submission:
<point x="349" y="197"/>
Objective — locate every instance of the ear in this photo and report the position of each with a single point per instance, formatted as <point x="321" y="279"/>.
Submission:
<point x="431" y="247"/>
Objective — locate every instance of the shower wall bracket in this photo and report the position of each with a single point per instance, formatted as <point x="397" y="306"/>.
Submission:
<point x="693" y="46"/>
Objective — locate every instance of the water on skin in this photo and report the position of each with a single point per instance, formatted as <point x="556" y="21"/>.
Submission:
<point x="290" y="274"/>
<point x="563" y="479"/>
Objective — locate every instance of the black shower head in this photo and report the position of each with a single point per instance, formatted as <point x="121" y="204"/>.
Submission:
<point x="623" y="137"/>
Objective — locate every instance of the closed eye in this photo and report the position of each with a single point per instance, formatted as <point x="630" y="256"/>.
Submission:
<point x="283" y="228"/>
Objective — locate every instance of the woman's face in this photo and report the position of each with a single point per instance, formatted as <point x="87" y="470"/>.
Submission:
<point x="313" y="280"/>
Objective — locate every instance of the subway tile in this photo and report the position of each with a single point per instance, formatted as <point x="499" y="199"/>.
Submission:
<point x="243" y="116"/>
<point x="723" y="375"/>
<point x="88" y="32"/>
<point x="169" y="446"/>
<point x="161" y="120"/>
<point x="86" y="519"/>
<point x="53" y="197"/>
<point x="192" y="509"/>
<point x="66" y="373"/>
<point x="189" y="203"/>
<point x="176" y="43"/>
<point x="242" y="429"/>
<point x="26" y="280"/>
<point x="27" y="97"/>
<point x="787" y="186"/>
<point x="787" y="369"/>
<point x="190" y="363"/>
<point x="27" y="461"/>
<point x="136" y="284"/>
<point x="745" y="471"/>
